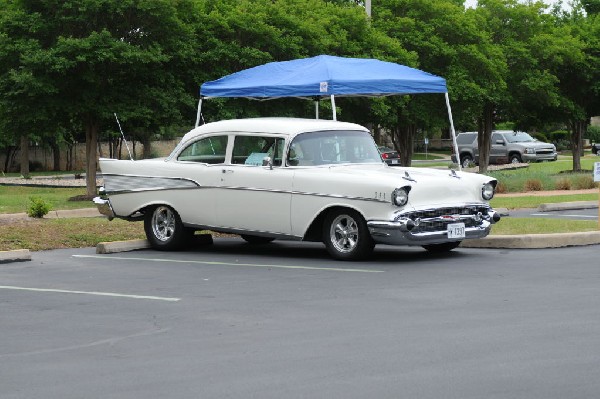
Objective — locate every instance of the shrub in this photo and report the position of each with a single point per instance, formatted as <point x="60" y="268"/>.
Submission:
<point x="37" y="208"/>
<point x="501" y="188"/>
<point x="541" y="137"/>
<point x="533" y="185"/>
<point x="559" y="135"/>
<point x="584" y="182"/>
<point x="563" y="184"/>
<point x="593" y="133"/>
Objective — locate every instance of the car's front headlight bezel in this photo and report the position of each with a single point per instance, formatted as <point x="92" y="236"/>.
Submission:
<point x="400" y="195"/>
<point x="488" y="190"/>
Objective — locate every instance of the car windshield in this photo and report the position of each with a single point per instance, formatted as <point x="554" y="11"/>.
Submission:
<point x="520" y="137"/>
<point x="333" y="147"/>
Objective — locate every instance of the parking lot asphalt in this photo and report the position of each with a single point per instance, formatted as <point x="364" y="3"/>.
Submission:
<point x="231" y="321"/>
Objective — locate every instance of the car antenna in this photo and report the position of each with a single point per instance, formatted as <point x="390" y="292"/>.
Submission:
<point x="123" y="135"/>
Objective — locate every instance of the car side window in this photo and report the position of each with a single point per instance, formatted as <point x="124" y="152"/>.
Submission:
<point x="251" y="150"/>
<point x="496" y="138"/>
<point x="209" y="150"/>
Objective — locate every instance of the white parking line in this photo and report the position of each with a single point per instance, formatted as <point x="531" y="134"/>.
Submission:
<point x="332" y="269"/>
<point x="111" y="294"/>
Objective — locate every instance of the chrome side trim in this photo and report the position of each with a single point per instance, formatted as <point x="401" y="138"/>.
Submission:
<point x="113" y="191"/>
<point x="131" y="183"/>
<point x="231" y="230"/>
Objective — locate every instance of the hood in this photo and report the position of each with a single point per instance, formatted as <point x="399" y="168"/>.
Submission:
<point x="429" y="187"/>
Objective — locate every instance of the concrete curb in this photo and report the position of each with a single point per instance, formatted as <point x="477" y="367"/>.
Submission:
<point x="121" y="246"/>
<point x="565" y="206"/>
<point x="536" y="241"/>
<point x="18" y="255"/>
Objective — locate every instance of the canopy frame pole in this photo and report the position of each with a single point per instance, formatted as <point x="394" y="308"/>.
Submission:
<point x="454" y="143"/>
<point x="333" y="107"/>
<point x="317" y="109"/>
<point x="199" y="114"/>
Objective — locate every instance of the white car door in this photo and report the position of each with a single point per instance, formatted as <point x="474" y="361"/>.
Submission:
<point x="253" y="197"/>
<point x="201" y="161"/>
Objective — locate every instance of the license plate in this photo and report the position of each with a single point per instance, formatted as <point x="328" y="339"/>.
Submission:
<point x="456" y="230"/>
<point x="394" y="161"/>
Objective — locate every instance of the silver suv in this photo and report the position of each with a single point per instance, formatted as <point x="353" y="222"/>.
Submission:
<point x="507" y="147"/>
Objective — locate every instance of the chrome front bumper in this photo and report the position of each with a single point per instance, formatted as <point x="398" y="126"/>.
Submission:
<point x="406" y="231"/>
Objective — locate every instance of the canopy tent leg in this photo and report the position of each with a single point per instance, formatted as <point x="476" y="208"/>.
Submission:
<point x="333" y="108"/>
<point x="199" y="114"/>
<point x="316" y="109"/>
<point x="454" y="143"/>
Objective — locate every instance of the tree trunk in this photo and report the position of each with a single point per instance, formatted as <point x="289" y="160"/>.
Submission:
<point x="577" y="131"/>
<point x="147" y="148"/>
<point x="377" y="134"/>
<point x="55" y="156"/>
<point x="91" y="144"/>
<point x="484" y="136"/>
<point x="403" y="142"/>
<point x="10" y="155"/>
<point x="24" y="156"/>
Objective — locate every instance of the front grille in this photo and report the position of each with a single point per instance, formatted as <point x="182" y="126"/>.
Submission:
<point x="545" y="152"/>
<point x="438" y="219"/>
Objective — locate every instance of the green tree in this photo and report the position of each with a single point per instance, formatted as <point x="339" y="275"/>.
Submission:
<point x="91" y="58"/>
<point x="448" y="42"/>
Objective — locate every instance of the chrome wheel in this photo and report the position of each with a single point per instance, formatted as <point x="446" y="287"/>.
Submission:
<point x="163" y="223"/>
<point x="346" y="235"/>
<point x="164" y="229"/>
<point x="343" y="233"/>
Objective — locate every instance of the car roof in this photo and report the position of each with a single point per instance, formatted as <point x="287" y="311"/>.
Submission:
<point x="286" y="126"/>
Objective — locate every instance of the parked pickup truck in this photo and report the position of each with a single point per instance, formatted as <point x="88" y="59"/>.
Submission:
<point x="507" y="147"/>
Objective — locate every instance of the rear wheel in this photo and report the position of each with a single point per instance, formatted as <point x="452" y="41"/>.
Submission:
<point x="444" y="247"/>
<point x="164" y="229"/>
<point x="256" y="240"/>
<point x="346" y="235"/>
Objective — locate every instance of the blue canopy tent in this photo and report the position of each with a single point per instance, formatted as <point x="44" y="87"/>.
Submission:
<point x="326" y="76"/>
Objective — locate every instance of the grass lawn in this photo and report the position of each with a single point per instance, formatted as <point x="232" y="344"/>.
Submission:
<point x="542" y="176"/>
<point x="44" y="234"/>
<point x="518" y="226"/>
<point x="535" y="201"/>
<point x="15" y="199"/>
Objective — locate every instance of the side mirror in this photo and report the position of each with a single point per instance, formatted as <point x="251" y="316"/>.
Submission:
<point x="267" y="161"/>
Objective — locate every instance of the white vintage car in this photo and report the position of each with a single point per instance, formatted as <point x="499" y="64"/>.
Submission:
<point x="295" y="179"/>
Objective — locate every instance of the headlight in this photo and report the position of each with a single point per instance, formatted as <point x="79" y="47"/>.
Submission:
<point x="530" y="151"/>
<point x="487" y="191"/>
<point x="400" y="196"/>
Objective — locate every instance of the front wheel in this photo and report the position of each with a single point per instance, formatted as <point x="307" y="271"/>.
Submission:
<point x="346" y="235"/>
<point x="164" y="229"/>
<point x="515" y="158"/>
<point x="444" y="247"/>
<point x="466" y="161"/>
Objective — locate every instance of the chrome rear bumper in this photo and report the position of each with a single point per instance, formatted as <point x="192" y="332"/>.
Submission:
<point x="104" y="207"/>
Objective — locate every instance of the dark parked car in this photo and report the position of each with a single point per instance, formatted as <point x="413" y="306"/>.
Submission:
<point x="596" y="148"/>
<point x="389" y="155"/>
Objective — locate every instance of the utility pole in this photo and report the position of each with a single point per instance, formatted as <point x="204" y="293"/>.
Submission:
<point x="368" y="7"/>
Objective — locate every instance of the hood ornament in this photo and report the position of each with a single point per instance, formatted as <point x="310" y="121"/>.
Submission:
<point x="454" y="174"/>
<point x="408" y="177"/>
